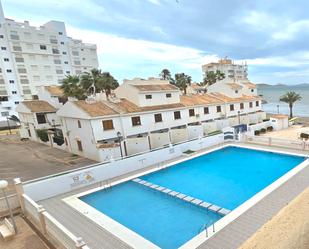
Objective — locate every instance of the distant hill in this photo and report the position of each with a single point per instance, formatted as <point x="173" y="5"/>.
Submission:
<point x="282" y="85"/>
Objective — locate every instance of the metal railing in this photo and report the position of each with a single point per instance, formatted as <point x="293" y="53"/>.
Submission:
<point x="13" y="201"/>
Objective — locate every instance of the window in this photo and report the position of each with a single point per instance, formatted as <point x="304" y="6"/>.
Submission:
<point x="1" y="36"/>
<point x="5" y="114"/>
<point x="43" y="47"/>
<point x="168" y="95"/>
<point x="177" y="115"/>
<point x="232" y="107"/>
<point x="64" y="52"/>
<point x="9" y="70"/>
<point x="75" y="53"/>
<point x="250" y="104"/>
<point x="206" y="110"/>
<point x="158" y="118"/>
<point x="252" y="90"/>
<point x="6" y="59"/>
<point x="108" y="125"/>
<point x="16" y="102"/>
<point x="218" y="108"/>
<point x="148" y="96"/>
<point x="29" y="132"/>
<point x="3" y="48"/>
<point x="241" y="106"/>
<point x="14" y="92"/>
<point x="257" y="103"/>
<point x="41" y="118"/>
<point x="66" y="62"/>
<point x="136" y="121"/>
<point x="191" y="113"/>
<point x="236" y="91"/>
<point x="62" y="43"/>
<point x="17" y="48"/>
<point x="79" y="145"/>
<point x="55" y="51"/>
<point x="3" y="98"/>
<point x="79" y="124"/>
<point x="60" y="33"/>
<point x="11" y="81"/>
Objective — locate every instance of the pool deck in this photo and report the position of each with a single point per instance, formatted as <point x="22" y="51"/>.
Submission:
<point x="231" y="236"/>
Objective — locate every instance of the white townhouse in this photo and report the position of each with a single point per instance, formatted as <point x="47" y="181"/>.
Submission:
<point x="149" y="114"/>
<point x="32" y="56"/>
<point x="39" y="122"/>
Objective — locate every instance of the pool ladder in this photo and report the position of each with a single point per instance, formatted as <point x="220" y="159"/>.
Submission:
<point x="205" y="227"/>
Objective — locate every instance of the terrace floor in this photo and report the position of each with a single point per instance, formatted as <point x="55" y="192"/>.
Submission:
<point x="232" y="236"/>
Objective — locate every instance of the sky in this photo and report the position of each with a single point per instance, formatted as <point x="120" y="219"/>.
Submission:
<point x="138" y="38"/>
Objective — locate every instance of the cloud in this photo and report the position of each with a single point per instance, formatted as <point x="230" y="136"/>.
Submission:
<point x="292" y="30"/>
<point x="135" y="54"/>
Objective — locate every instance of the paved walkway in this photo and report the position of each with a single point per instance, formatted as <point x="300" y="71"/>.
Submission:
<point x="232" y="236"/>
<point x="29" y="160"/>
<point x="25" y="239"/>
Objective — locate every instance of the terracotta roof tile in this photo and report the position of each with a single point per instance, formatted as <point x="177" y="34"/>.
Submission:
<point x="197" y="99"/>
<point x="54" y="90"/>
<point x="249" y="85"/>
<point x="233" y="100"/>
<point x="157" y="87"/>
<point x="234" y="86"/>
<point x="39" y="106"/>
<point x="279" y="116"/>
<point x="95" y="109"/>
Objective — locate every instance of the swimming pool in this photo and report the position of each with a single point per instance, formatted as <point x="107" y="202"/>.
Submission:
<point x="226" y="178"/>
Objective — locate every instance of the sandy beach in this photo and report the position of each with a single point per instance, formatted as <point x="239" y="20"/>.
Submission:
<point x="289" y="229"/>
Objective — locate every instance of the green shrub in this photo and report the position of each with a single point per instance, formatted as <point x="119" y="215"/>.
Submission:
<point x="270" y="128"/>
<point x="188" y="152"/>
<point x="257" y="132"/>
<point x="304" y="135"/>
<point x="265" y="120"/>
<point x="214" y="133"/>
<point x="263" y="130"/>
<point x="42" y="134"/>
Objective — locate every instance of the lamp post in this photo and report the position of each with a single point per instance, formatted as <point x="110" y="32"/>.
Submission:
<point x="238" y="117"/>
<point x="119" y="139"/>
<point x="278" y="109"/>
<point x="8" y="122"/>
<point x="3" y="186"/>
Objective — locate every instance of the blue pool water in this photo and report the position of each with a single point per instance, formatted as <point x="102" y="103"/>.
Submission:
<point x="227" y="178"/>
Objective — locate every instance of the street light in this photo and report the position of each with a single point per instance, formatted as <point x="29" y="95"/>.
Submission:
<point x="278" y="108"/>
<point x="3" y="186"/>
<point x="238" y="117"/>
<point x="119" y="140"/>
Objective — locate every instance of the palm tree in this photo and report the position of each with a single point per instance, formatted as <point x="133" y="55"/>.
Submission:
<point x="92" y="82"/>
<point x="165" y="74"/>
<point x="109" y="83"/>
<point x="212" y="77"/>
<point x="182" y="81"/>
<point x="71" y="87"/>
<point x="14" y="118"/>
<point x="290" y="98"/>
<point x="220" y="75"/>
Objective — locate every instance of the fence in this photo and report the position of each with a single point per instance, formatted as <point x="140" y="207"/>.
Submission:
<point x="13" y="202"/>
<point x="278" y="142"/>
<point x="50" y="227"/>
<point x="68" y="181"/>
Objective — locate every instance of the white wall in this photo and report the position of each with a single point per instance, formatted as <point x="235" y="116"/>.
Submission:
<point x="179" y="135"/>
<point x="195" y="131"/>
<point x="56" y="185"/>
<point x="158" y="140"/>
<point x="137" y="145"/>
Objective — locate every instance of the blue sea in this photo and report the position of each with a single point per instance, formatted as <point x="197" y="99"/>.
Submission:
<point x="272" y="95"/>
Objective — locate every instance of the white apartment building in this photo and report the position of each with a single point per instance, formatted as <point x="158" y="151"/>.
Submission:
<point x="150" y="114"/>
<point x="34" y="56"/>
<point x="233" y="72"/>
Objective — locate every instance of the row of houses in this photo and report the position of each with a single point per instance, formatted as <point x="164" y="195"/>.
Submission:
<point x="140" y="116"/>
